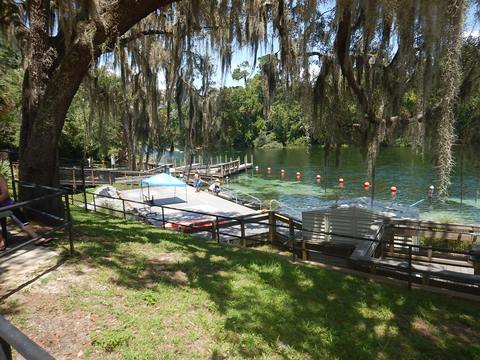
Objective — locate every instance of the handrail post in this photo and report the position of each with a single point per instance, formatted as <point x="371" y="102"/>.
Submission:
<point x="94" y="204"/>
<point x="291" y="233"/>
<point x="218" y="230"/>
<point x="214" y="230"/>
<point x="124" y="213"/>
<point x="69" y="218"/>
<point x="163" y="217"/>
<point x="271" y="226"/>
<point x="409" y="267"/>
<point x="84" y="187"/>
<point x="242" y="232"/>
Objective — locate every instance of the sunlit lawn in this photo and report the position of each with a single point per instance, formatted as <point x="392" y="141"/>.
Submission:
<point x="157" y="294"/>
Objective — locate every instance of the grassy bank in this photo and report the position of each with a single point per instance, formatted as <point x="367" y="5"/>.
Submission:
<point x="136" y="292"/>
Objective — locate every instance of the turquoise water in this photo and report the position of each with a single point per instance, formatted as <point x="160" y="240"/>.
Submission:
<point x="411" y="173"/>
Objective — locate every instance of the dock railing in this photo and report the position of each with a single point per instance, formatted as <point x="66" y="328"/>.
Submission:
<point x="272" y="228"/>
<point x="78" y="176"/>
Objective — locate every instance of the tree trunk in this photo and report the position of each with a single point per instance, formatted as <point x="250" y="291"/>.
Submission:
<point x="54" y="69"/>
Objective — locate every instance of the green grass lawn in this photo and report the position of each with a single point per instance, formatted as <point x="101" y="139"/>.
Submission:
<point x="156" y="294"/>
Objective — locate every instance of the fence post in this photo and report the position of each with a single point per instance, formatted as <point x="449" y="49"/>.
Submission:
<point x="291" y="235"/>
<point x="409" y="267"/>
<point x="123" y="205"/>
<point x="218" y="230"/>
<point x="84" y="187"/>
<point x="214" y="231"/>
<point x="271" y="226"/>
<point x="93" y="177"/>
<point x="69" y="219"/>
<point x="163" y="217"/>
<point x="74" y="179"/>
<point x="389" y="235"/>
<point x="242" y="232"/>
<point x="94" y="204"/>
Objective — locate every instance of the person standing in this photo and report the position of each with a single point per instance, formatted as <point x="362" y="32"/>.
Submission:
<point x="112" y="161"/>
<point x="197" y="182"/>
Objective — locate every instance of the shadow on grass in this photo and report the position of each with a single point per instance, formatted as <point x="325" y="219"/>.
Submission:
<point x="271" y="306"/>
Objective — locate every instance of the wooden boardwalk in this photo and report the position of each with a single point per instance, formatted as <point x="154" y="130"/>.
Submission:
<point x="73" y="176"/>
<point x="214" y="171"/>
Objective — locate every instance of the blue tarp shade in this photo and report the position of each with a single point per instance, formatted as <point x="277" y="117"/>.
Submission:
<point x="163" y="180"/>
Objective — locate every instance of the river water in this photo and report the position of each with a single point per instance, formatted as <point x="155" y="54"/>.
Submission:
<point x="410" y="172"/>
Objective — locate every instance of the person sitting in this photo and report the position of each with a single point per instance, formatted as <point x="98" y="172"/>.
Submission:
<point x="5" y="200"/>
<point x="215" y="187"/>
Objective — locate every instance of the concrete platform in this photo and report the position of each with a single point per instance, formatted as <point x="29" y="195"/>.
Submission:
<point x="203" y="202"/>
<point x="188" y="199"/>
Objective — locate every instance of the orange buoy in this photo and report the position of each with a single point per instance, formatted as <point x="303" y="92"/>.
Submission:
<point x="393" y="189"/>
<point x="297" y="174"/>
<point x="366" y="185"/>
<point x="318" y="177"/>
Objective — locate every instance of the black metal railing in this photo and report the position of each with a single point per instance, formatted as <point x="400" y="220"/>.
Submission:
<point x="44" y="194"/>
<point x="11" y="337"/>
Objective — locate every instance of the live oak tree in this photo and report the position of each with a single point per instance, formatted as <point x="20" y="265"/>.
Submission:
<point x="59" y="41"/>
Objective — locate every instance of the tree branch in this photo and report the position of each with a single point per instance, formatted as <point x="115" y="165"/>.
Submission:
<point x="342" y="45"/>
<point x="126" y="39"/>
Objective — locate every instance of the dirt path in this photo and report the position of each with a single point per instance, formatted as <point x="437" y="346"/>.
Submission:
<point x="24" y="265"/>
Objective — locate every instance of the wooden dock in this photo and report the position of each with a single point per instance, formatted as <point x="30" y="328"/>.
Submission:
<point x="214" y="171"/>
<point x="72" y="176"/>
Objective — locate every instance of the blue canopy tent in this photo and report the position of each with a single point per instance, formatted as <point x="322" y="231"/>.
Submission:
<point x="163" y="180"/>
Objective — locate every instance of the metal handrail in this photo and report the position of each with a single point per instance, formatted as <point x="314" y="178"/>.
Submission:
<point x="10" y="336"/>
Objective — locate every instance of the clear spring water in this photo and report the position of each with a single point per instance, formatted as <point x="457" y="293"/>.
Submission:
<point x="411" y="173"/>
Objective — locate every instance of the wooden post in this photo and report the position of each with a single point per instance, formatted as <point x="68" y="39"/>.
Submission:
<point x="74" y="180"/>
<point x="93" y="177"/>
<point x="304" y="250"/>
<point x="242" y="232"/>
<point x="475" y="256"/>
<point x="409" y="267"/>
<point x="163" y="217"/>
<point x="291" y="235"/>
<point x="272" y="228"/>
<point x="214" y="230"/>
<point x="389" y="235"/>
